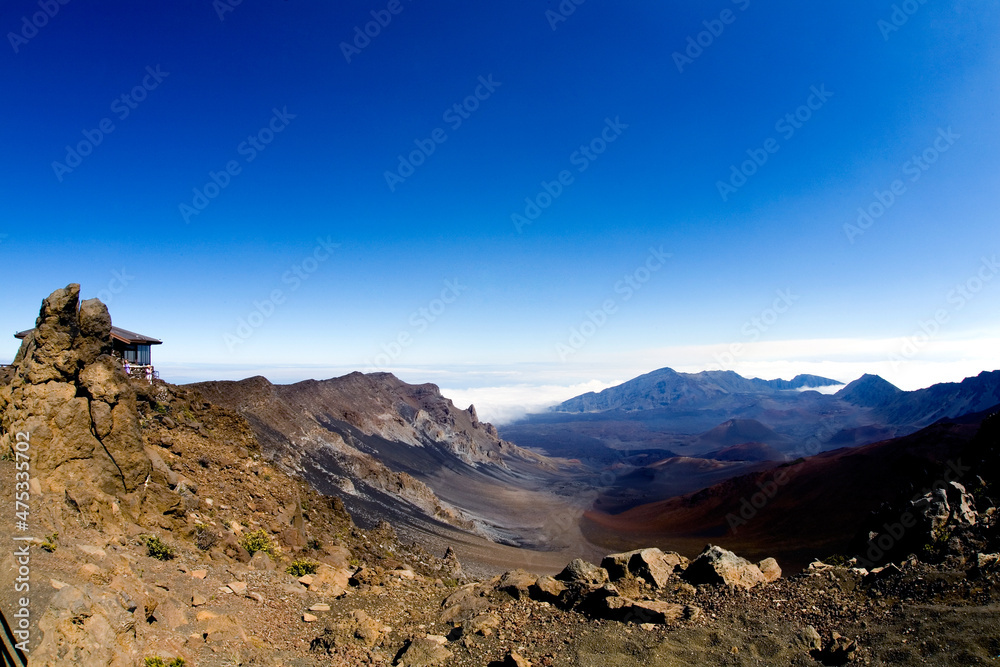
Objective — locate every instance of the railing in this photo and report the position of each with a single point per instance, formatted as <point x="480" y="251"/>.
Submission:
<point x="141" y="372"/>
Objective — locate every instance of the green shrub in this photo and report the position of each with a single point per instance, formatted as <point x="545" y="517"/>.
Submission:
<point x="302" y="567"/>
<point x="157" y="661"/>
<point x="256" y="541"/>
<point x="50" y="542"/>
<point x="157" y="548"/>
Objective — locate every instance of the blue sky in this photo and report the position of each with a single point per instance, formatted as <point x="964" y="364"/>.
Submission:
<point x="640" y="136"/>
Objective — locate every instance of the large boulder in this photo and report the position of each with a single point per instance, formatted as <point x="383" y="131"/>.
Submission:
<point x="653" y="565"/>
<point x="718" y="566"/>
<point x="581" y="572"/>
<point x="73" y="401"/>
<point x="944" y="508"/>
<point x="516" y="583"/>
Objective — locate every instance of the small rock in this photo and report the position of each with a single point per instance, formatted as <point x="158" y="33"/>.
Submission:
<point x="839" y="650"/>
<point x="205" y="615"/>
<point x="770" y="569"/>
<point x="423" y="652"/>
<point x="513" y="659"/>
<point x="199" y="574"/>
<point x="198" y="600"/>
<point x="546" y="589"/>
<point x="320" y="607"/>
<point x="987" y="561"/>
<point x="58" y="585"/>
<point x="309" y="618"/>
<point x="261" y="561"/>
<point x="238" y="587"/>
<point x="580" y="571"/>
<point x="481" y="625"/>
<point x="88" y="570"/>
<point x="808" y="639"/>
<point x="253" y="595"/>
<point x="96" y="552"/>
<point x="306" y="579"/>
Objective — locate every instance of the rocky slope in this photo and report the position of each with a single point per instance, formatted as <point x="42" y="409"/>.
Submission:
<point x="177" y="539"/>
<point x="398" y="450"/>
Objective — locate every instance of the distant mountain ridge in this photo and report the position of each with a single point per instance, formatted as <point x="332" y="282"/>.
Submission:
<point x="666" y="387"/>
<point x="389" y="448"/>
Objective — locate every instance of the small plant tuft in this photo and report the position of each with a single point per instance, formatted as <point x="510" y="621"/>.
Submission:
<point x="301" y="567"/>
<point x="314" y="543"/>
<point x="157" y="548"/>
<point x="256" y="541"/>
<point x="205" y="538"/>
<point x="157" y="661"/>
<point x="50" y="542"/>
<point x="837" y="560"/>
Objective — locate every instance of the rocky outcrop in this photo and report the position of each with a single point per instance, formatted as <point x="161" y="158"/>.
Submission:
<point x="653" y="565"/>
<point x="946" y="507"/>
<point x="716" y="565"/>
<point x="72" y="402"/>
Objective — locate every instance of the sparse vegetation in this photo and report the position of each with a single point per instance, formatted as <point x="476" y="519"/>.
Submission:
<point x="302" y="567"/>
<point x="205" y="538"/>
<point x="314" y="543"/>
<point x="157" y="661"/>
<point x="50" y="542"/>
<point x="157" y="548"/>
<point x="256" y="541"/>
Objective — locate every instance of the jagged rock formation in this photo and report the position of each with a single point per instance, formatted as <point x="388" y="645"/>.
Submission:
<point x="71" y="398"/>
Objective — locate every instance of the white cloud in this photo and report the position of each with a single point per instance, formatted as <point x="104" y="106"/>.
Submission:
<point x="505" y="404"/>
<point x="503" y="393"/>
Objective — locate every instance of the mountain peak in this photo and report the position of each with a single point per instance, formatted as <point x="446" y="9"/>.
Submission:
<point x="869" y="391"/>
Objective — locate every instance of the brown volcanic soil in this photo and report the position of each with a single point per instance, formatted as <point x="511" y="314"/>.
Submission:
<point x="938" y="615"/>
<point x="816" y="512"/>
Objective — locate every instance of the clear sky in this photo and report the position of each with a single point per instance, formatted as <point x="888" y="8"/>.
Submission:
<point x="514" y="200"/>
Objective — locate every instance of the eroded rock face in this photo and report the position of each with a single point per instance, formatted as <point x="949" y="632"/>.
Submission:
<point x="944" y="507"/>
<point x="74" y="402"/>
